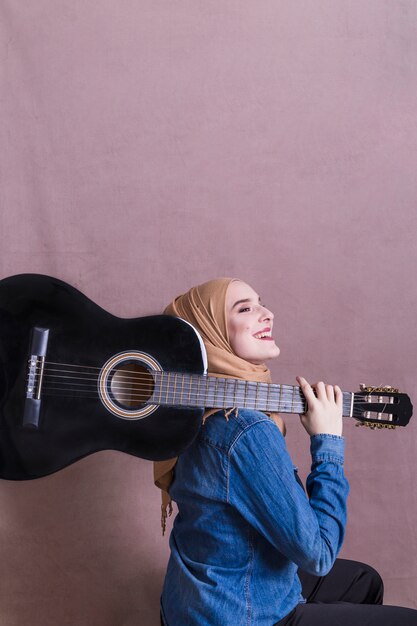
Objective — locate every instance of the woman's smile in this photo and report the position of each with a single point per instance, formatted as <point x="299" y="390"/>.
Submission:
<point x="264" y="334"/>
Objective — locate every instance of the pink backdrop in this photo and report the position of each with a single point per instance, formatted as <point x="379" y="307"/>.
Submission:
<point x="148" y="146"/>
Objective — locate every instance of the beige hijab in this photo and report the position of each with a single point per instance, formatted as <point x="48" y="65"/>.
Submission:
<point x="204" y="307"/>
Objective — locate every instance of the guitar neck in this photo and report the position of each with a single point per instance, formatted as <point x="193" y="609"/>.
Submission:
<point x="177" y="389"/>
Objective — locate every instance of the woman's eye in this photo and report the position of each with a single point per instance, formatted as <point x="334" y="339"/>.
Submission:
<point x="246" y="308"/>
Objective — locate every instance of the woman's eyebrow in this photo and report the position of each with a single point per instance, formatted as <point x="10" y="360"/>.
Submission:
<point x="244" y="301"/>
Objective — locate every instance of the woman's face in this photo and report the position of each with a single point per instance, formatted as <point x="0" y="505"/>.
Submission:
<point x="249" y="324"/>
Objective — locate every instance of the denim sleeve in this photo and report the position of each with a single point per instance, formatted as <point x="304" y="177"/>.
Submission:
<point x="308" y="530"/>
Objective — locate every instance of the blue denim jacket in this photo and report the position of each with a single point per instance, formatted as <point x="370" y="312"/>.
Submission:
<point x="245" y="525"/>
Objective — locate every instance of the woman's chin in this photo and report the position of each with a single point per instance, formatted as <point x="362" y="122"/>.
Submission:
<point x="264" y="355"/>
<point x="273" y="351"/>
<point x="275" y="354"/>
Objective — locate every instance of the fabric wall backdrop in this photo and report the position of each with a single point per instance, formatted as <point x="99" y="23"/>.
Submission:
<point x="148" y="146"/>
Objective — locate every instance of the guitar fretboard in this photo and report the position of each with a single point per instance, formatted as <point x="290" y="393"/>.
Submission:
<point x="193" y="390"/>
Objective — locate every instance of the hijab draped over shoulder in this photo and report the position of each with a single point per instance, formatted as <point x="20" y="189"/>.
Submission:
<point x="204" y="307"/>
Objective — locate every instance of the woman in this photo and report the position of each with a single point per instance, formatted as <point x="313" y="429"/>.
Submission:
<point x="245" y="525"/>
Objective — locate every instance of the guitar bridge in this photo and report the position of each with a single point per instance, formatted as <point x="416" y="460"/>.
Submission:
<point x="38" y="348"/>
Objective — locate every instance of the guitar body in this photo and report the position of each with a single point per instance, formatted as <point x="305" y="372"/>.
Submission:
<point x="82" y="333"/>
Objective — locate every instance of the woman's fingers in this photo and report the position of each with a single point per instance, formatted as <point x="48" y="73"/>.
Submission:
<point x="324" y="410"/>
<point x="330" y="392"/>
<point x="306" y="388"/>
<point x="319" y="390"/>
<point x="338" y="396"/>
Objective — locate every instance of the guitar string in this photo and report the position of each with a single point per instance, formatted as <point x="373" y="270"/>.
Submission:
<point x="145" y="379"/>
<point x="163" y="396"/>
<point x="141" y="381"/>
<point x="284" y="400"/>
<point x="148" y="375"/>
<point x="164" y="389"/>
<point x="148" y="400"/>
<point x="297" y="409"/>
<point x="156" y="373"/>
<point x="123" y="381"/>
<point x="163" y="384"/>
<point x="142" y="392"/>
<point x="152" y="372"/>
<point x="298" y="406"/>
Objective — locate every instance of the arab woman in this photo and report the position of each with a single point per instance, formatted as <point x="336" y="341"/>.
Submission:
<point x="249" y="545"/>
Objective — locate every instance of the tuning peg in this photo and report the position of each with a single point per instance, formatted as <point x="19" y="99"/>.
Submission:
<point x="381" y="389"/>
<point x="374" y="426"/>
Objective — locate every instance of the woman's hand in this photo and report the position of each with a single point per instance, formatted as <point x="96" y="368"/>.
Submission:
<point x="324" y="414"/>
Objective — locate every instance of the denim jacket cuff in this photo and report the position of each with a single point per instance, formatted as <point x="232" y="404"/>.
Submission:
<point x="327" y="448"/>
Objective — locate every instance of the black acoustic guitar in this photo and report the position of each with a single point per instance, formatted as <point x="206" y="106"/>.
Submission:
<point x="75" y="379"/>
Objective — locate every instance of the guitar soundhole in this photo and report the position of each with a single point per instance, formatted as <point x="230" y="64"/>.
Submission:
<point x="130" y="385"/>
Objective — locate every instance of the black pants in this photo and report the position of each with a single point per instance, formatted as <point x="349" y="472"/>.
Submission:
<point x="350" y="595"/>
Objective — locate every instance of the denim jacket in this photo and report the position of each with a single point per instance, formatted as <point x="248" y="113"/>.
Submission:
<point x="245" y="525"/>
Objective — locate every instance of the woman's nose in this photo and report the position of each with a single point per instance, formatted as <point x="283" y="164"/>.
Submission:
<point x="266" y="314"/>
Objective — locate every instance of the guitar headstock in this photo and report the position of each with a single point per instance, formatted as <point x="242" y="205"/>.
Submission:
<point x="381" y="407"/>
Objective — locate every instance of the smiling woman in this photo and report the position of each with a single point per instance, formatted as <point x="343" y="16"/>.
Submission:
<point x="249" y="546"/>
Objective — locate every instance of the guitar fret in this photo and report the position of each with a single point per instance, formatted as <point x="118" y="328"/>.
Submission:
<point x="226" y="393"/>
<point x="303" y="401"/>
<point x="224" y="382"/>
<point x="161" y="378"/>
<point x="206" y="396"/>
<point x="167" y="389"/>
<point x="247" y="394"/>
<point x="221" y="392"/>
<point x="216" y="403"/>
<point x="190" y="386"/>
<point x="255" y="395"/>
<point x="231" y="399"/>
<point x="182" y="388"/>
<point x="174" y="400"/>
<point x="216" y="384"/>
<point x="263" y="396"/>
<point x="198" y="391"/>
